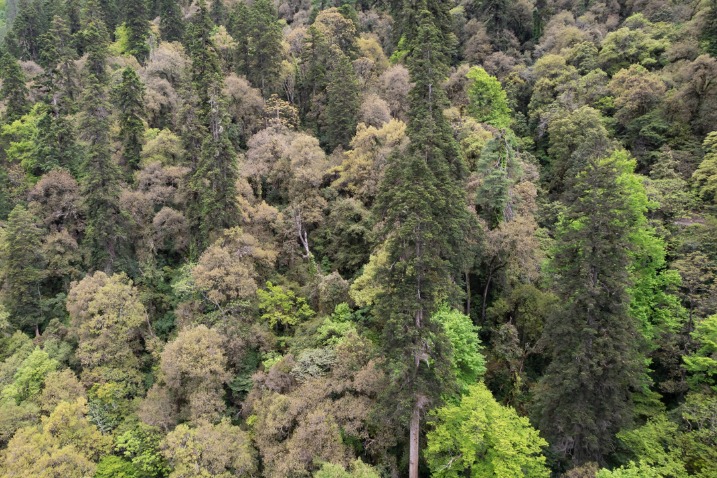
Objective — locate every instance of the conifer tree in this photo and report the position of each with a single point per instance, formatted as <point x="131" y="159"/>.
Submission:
<point x="13" y="91"/>
<point x="585" y="395"/>
<point x="31" y="22"/>
<point x="339" y="121"/>
<point x="129" y="96"/>
<point x="422" y="203"/>
<point x="266" y="49"/>
<point x="709" y="30"/>
<point x="100" y="175"/>
<point x="22" y="267"/>
<point x="218" y="12"/>
<point x="137" y="22"/>
<point x="171" y="23"/>
<point x="213" y="205"/>
<point x="57" y="56"/>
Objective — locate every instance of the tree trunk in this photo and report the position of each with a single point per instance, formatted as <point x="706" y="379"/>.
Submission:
<point x="414" y="440"/>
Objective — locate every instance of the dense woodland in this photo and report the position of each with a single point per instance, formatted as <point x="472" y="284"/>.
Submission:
<point x="358" y="238"/>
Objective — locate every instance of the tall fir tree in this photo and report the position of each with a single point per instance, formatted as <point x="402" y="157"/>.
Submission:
<point x="129" y="98"/>
<point x="338" y="122"/>
<point x="60" y="80"/>
<point x="99" y="173"/>
<point x="171" y="23"/>
<point x="585" y="396"/>
<point x="265" y="49"/>
<point x="13" y="90"/>
<point x="709" y="29"/>
<point x="137" y="21"/>
<point x="422" y="204"/>
<point x="213" y="206"/>
<point x="22" y="270"/>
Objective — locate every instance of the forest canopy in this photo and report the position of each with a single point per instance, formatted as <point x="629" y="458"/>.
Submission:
<point x="358" y="238"/>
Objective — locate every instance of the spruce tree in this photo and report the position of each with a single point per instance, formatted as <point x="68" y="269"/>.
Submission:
<point x="585" y="396"/>
<point x="13" y="90"/>
<point x="338" y="124"/>
<point x="137" y="22"/>
<point x="218" y="12"/>
<point x="213" y="206"/>
<point x="171" y="23"/>
<point x="129" y="98"/>
<point x="423" y="208"/>
<point x="266" y="50"/>
<point x="22" y="269"/>
<point x="100" y="175"/>
<point x="57" y="57"/>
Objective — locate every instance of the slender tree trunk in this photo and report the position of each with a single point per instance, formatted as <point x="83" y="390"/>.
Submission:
<point x="414" y="440"/>
<point x="485" y="297"/>
<point x="468" y="294"/>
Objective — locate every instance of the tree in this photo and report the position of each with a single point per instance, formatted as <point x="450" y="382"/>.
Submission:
<point x="22" y="270"/>
<point x="480" y="437"/>
<point x="106" y="315"/>
<point x="13" y="90"/>
<point x="488" y="101"/>
<point x="358" y="469"/>
<point x="709" y="29"/>
<point x="702" y="364"/>
<point x="705" y="177"/>
<point x="129" y="95"/>
<point x="585" y="396"/>
<point x="421" y="203"/>
<point x="194" y="368"/>
<point x="171" y="23"/>
<point x="222" y="451"/>
<point x="137" y="22"/>
<point x="66" y="445"/>
<point x="213" y="182"/>
<point x="100" y="184"/>
<point x="466" y="358"/>
<point x="338" y="124"/>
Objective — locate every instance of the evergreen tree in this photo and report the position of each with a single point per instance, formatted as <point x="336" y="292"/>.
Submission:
<point x="31" y="22"/>
<point x="339" y="121"/>
<point x="100" y="175"/>
<point x="265" y="47"/>
<point x="57" y="57"/>
<point x="22" y="269"/>
<point x="171" y="23"/>
<point x="137" y="22"/>
<point x="213" y="205"/>
<point x="585" y="395"/>
<point x="13" y="91"/>
<point x="422" y="203"/>
<point x="129" y="96"/>
<point x="709" y="29"/>
<point x="218" y="12"/>
<point x="55" y="143"/>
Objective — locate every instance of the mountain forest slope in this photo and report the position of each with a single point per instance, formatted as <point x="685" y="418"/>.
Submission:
<point x="358" y="238"/>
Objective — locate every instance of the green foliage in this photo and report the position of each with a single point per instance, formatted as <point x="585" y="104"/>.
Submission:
<point x="338" y="125"/>
<point x="22" y="269"/>
<point x="111" y="466"/>
<point x="30" y="377"/>
<point x="594" y="341"/>
<point x="129" y="94"/>
<point x="358" y="469"/>
<point x="705" y="177"/>
<point x="466" y="358"/>
<point x="480" y="437"/>
<point x="702" y="364"/>
<point x="488" y="101"/>
<point x="13" y="90"/>
<point x="141" y="446"/>
<point x="281" y="308"/>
